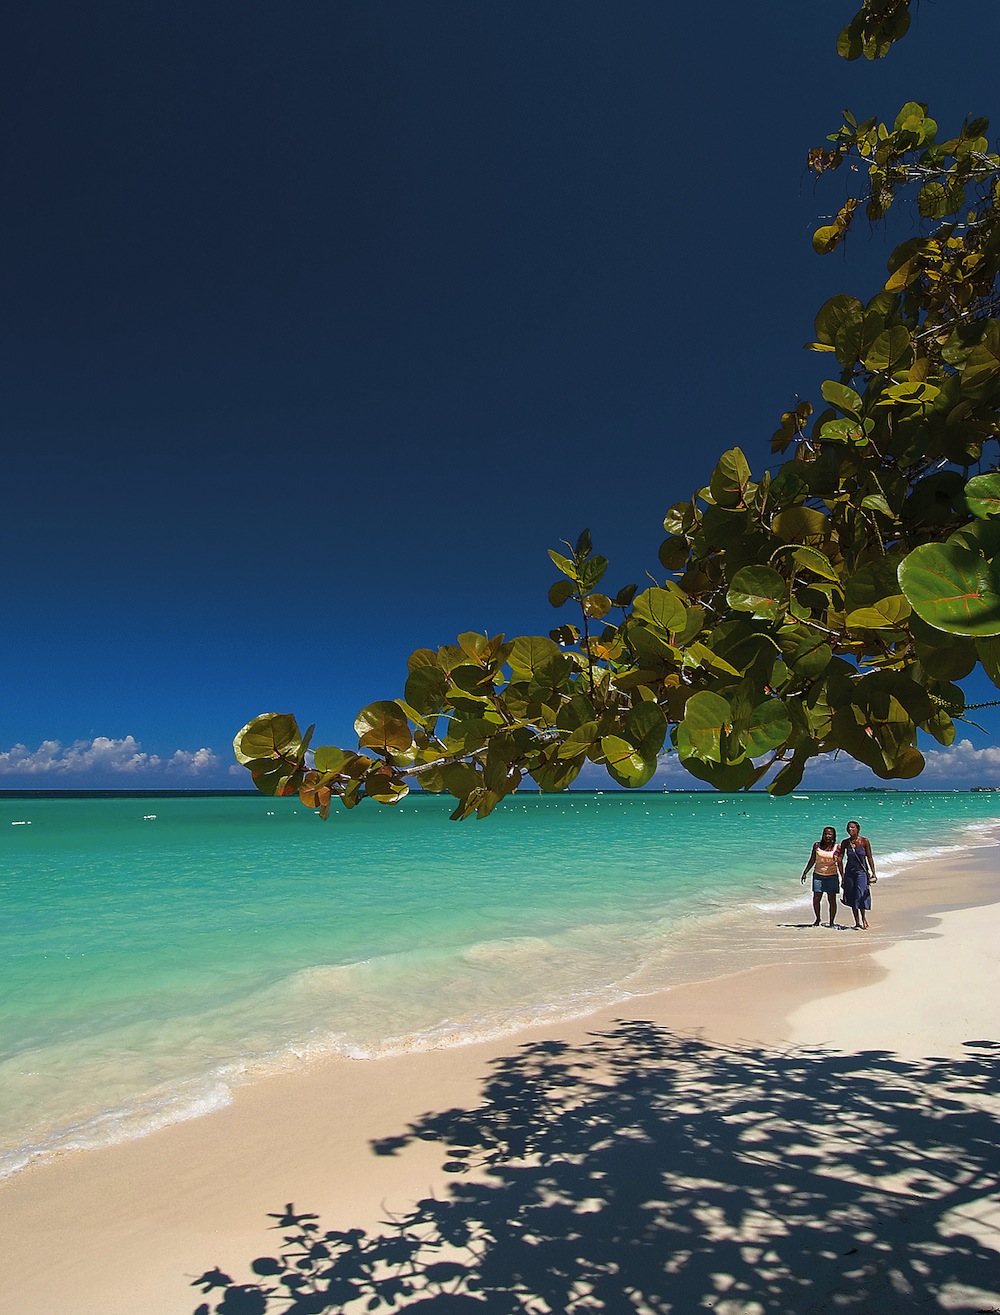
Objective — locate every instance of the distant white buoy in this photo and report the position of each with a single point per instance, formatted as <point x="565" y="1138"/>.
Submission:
<point x="20" y="824"/>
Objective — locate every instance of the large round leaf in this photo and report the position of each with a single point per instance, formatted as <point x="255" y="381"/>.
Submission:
<point x="266" y="736"/>
<point x="383" y="726"/>
<point x="885" y="614"/>
<point x="833" y="314"/>
<point x="769" y="728"/>
<point x="871" y="583"/>
<point x="952" y="588"/>
<point x="798" y="524"/>
<point x="328" y="758"/>
<point x="530" y="652"/>
<point x="989" y="656"/>
<point x="385" y="787"/>
<point x="946" y="661"/>
<point x="759" y="590"/>
<point x="554" y="777"/>
<point x="625" y="763"/>
<point x="425" y="689"/>
<point x="983" y="495"/>
<point x="730" y="478"/>
<point x="660" y="608"/>
<point x="699" y="735"/>
<point x="646" y="728"/>
<point x="728" y="777"/>
<point x="892" y="350"/>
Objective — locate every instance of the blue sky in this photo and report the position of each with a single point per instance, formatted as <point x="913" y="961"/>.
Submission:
<point x="322" y="322"/>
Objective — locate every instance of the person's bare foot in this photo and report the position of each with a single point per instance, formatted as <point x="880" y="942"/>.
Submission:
<point x="816" y="923"/>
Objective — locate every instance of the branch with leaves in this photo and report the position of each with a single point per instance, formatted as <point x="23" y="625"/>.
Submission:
<point x="830" y="606"/>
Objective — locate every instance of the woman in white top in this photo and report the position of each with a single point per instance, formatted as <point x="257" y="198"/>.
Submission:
<point x="826" y="859"/>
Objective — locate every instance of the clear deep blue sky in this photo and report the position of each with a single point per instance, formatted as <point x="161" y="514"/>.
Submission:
<point x="323" y="321"/>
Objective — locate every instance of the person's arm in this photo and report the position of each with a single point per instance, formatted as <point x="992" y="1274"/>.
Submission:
<point x="871" y="862"/>
<point x="812" y="860"/>
<point x="840" y="861"/>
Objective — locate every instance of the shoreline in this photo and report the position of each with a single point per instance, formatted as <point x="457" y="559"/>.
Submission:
<point x="115" y="1230"/>
<point x="723" y="937"/>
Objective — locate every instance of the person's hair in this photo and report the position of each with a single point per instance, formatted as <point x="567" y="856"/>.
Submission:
<point x="852" y="822"/>
<point x="831" y="829"/>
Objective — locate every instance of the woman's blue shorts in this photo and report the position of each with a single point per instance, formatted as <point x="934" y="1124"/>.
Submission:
<point x="826" y="885"/>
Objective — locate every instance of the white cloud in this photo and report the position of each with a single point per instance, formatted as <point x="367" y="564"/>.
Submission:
<point x="192" y="762"/>
<point x="101" y="755"/>
<point x="964" y="764"/>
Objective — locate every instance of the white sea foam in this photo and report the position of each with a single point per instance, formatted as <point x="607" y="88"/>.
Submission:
<point x="111" y="1127"/>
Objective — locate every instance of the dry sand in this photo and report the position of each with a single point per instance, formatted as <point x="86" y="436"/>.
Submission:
<point x="818" y="1135"/>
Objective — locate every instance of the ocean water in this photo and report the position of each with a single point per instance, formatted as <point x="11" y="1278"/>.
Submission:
<point x="156" y="952"/>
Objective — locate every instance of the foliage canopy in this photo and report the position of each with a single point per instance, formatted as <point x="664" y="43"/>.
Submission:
<point x="832" y="605"/>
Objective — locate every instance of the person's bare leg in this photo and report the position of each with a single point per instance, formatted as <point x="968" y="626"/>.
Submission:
<point x="817" y="900"/>
<point x="833" y="908"/>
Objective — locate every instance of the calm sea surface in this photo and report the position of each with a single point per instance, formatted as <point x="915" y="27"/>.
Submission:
<point x="155" y="952"/>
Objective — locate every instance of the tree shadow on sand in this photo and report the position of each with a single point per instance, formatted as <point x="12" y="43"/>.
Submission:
<point x="644" y="1172"/>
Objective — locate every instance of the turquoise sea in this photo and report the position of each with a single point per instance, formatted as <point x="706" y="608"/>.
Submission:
<point x="156" y="952"/>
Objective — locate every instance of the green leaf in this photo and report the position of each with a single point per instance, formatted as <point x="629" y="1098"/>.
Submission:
<point x="981" y="374"/>
<point x="790" y="775"/>
<point x="886" y="614"/>
<point x="843" y="431"/>
<point x="758" y="590"/>
<point x="810" y="657"/>
<point x="952" y="588"/>
<point x="328" y="758"/>
<point x="989" y="656"/>
<point x="597" y="605"/>
<point x="592" y="571"/>
<point x="421" y="657"/>
<point x="700" y="655"/>
<point x="426" y="689"/>
<point x="383" y="727"/>
<point x="843" y="398"/>
<point x="530" y="653"/>
<point x="578" y="742"/>
<point x="730" y="478"/>
<point x="941" y="726"/>
<point x="385" y="788"/>
<point x="660" y="608"/>
<point x="564" y="564"/>
<point x="870" y="583"/>
<point x="891" y="351"/>
<point x="811" y="559"/>
<point x="554" y="777"/>
<point x="911" y="393"/>
<point x="769" y="728"/>
<point x="834" y="314"/>
<point x="876" y="502"/>
<point x="266" y="736"/>
<point x="706" y="717"/>
<point x="646" y="728"/>
<point x="799" y="523"/>
<point x="856" y="336"/>
<point x="625" y="763"/>
<point x="460" y="779"/>
<point x="983" y="495"/>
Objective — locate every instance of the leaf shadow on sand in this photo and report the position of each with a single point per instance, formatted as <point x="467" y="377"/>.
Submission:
<point x="647" y="1172"/>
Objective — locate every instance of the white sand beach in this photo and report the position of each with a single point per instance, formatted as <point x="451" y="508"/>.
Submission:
<point x="813" y="1136"/>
